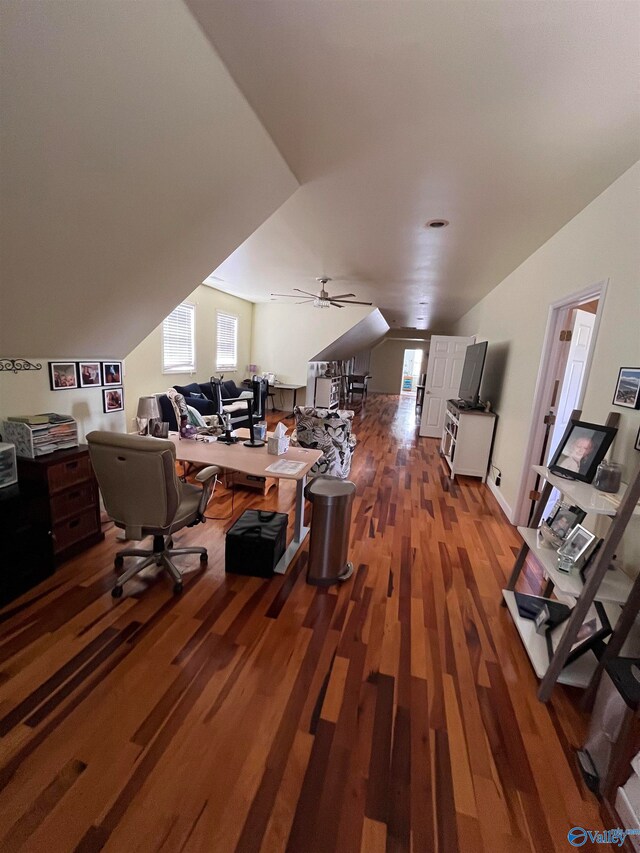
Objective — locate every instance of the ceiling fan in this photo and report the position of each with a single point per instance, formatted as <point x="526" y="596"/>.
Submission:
<point x="322" y="299"/>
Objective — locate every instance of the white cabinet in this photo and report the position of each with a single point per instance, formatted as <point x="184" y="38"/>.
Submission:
<point x="466" y="440"/>
<point x="327" y="394"/>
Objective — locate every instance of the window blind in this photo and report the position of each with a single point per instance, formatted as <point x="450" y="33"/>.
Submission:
<point x="227" y="342"/>
<point x="178" y="340"/>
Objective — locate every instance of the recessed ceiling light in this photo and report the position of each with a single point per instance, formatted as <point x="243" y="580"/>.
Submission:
<point x="437" y="223"/>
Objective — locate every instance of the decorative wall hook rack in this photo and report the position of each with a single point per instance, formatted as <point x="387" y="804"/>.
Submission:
<point x="17" y="364"/>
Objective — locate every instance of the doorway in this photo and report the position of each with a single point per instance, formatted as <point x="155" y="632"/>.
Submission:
<point x="567" y="353"/>
<point x="411" y="367"/>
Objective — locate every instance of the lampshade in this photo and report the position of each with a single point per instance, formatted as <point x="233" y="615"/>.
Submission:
<point x="148" y="407"/>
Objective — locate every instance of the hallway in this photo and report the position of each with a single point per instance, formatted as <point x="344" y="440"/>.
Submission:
<point x="395" y="713"/>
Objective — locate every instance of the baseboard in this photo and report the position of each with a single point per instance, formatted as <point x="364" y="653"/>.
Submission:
<point x="504" y="506"/>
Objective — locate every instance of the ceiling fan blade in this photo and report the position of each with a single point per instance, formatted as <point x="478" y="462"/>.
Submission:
<point x="288" y="295"/>
<point x="342" y="295"/>
<point x="306" y="293"/>
<point x="335" y="304"/>
<point x="304" y="301"/>
<point x="352" y="302"/>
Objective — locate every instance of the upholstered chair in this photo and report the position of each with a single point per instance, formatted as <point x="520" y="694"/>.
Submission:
<point x="329" y="432"/>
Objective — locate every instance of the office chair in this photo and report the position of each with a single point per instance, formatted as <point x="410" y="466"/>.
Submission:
<point x="143" y="495"/>
<point x="357" y="384"/>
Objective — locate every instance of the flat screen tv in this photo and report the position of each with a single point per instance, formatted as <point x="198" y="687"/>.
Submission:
<point x="469" y="393"/>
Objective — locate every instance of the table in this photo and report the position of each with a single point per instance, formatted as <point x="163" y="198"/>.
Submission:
<point x="285" y="386"/>
<point x="255" y="461"/>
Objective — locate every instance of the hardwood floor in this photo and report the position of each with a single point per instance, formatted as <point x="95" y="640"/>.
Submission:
<point x="394" y="713"/>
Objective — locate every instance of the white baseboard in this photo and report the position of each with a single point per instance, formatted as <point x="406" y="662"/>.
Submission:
<point x="495" y="491"/>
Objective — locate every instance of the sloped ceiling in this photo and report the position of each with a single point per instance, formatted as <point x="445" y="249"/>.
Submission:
<point x="131" y="166"/>
<point x="363" y="336"/>
<point x="506" y="118"/>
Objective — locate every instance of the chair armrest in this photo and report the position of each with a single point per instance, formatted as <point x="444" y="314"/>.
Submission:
<point x="207" y="473"/>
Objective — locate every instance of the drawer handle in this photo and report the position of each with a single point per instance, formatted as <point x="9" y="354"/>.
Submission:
<point x="72" y="465"/>
<point x="74" y="523"/>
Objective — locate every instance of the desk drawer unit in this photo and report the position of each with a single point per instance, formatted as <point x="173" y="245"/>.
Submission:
<point x="64" y="495"/>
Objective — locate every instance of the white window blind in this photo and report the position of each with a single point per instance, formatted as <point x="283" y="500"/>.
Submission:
<point x="227" y="342"/>
<point x="178" y="340"/>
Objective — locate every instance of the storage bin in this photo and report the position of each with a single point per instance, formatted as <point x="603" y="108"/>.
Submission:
<point x="255" y="543"/>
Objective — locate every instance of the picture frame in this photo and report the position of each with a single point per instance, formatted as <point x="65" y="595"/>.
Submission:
<point x="581" y="449"/>
<point x="561" y="521"/>
<point x="112" y="373"/>
<point x="588" y="563"/>
<point x="90" y="374"/>
<point x="593" y="630"/>
<point x="627" y="391"/>
<point x="63" y="375"/>
<point x="637" y="444"/>
<point x="112" y="400"/>
<point x="577" y="544"/>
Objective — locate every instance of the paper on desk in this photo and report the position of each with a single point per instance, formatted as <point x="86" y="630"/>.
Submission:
<point x="284" y="466"/>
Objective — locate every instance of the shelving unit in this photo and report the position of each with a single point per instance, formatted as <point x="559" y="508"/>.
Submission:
<point x="612" y="588"/>
<point x="466" y="440"/>
<point x="327" y="392"/>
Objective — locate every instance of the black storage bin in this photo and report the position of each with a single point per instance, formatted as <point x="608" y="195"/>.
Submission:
<point x="255" y="543"/>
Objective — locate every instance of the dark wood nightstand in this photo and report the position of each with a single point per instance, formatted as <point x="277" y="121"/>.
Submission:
<point x="64" y="492"/>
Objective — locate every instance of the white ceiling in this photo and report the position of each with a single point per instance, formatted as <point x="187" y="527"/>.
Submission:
<point x="504" y="117"/>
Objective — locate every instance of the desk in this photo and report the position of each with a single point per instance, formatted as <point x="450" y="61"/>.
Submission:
<point x="254" y="460"/>
<point x="285" y="386"/>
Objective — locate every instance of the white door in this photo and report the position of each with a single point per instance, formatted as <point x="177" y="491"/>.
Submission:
<point x="574" y="375"/>
<point x="444" y="369"/>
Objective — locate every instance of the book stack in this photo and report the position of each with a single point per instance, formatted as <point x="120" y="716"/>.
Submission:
<point x="36" y="435"/>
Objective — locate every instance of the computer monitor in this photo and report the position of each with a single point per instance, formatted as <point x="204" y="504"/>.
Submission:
<point x="469" y="393"/>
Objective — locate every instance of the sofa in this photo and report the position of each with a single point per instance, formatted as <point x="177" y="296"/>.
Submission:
<point x="216" y="396"/>
<point x="329" y="432"/>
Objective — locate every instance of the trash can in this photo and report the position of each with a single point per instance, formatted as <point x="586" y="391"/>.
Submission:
<point x="330" y="522"/>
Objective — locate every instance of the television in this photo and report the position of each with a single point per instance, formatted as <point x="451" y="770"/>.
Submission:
<point x="469" y="393"/>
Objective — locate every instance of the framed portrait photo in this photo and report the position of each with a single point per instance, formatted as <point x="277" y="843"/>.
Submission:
<point x="89" y="374"/>
<point x="582" y="448"/>
<point x="628" y="388"/>
<point x="595" y="628"/>
<point x="577" y="544"/>
<point x="113" y="400"/>
<point x="63" y="375"/>
<point x="561" y="521"/>
<point x="112" y="373"/>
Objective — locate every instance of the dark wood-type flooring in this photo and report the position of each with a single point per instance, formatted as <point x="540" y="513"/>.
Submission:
<point x="396" y="712"/>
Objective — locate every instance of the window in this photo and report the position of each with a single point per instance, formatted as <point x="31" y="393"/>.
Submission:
<point x="178" y="340"/>
<point x="227" y="345"/>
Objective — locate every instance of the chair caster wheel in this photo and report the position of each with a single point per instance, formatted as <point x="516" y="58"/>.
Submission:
<point x="118" y="563"/>
<point x="177" y="588"/>
<point x="204" y="558"/>
<point x="116" y="592"/>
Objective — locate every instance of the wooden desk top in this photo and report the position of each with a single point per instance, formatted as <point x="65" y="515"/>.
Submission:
<point x="237" y="457"/>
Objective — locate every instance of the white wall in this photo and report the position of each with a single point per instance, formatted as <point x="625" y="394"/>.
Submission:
<point x="144" y="364"/>
<point x="387" y="360"/>
<point x="28" y="393"/>
<point x="286" y="337"/>
<point x="600" y="243"/>
<point x="132" y="165"/>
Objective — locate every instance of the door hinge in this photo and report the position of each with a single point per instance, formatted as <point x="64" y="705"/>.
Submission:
<point x="565" y="335"/>
<point x="534" y="495"/>
<point x="550" y="420"/>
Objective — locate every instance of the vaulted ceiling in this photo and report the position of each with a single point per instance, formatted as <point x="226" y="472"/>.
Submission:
<point x="505" y="118"/>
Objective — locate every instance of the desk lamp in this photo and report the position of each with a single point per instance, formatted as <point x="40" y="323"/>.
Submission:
<point x="147" y="409"/>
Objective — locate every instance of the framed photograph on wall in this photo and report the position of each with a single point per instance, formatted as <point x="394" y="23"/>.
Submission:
<point x="90" y="374"/>
<point x="581" y="450"/>
<point x="595" y="628"/>
<point x="113" y="400"/>
<point x="112" y="373"/>
<point x="63" y="375"/>
<point x="628" y="388"/>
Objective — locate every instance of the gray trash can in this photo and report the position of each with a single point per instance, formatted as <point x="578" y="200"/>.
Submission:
<point x="330" y="522"/>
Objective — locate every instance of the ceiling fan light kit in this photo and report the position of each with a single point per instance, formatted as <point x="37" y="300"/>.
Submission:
<point x="323" y="299"/>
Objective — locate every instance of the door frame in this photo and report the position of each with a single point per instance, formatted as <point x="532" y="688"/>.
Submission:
<point x="550" y="363"/>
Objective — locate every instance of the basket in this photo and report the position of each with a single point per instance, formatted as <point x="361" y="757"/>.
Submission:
<point x="277" y="446"/>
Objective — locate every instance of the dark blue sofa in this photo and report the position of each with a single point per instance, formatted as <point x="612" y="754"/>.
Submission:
<point x="208" y="397"/>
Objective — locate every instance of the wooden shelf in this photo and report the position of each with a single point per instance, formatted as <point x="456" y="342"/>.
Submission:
<point x="584" y="495"/>
<point x="615" y="586"/>
<point x="577" y="674"/>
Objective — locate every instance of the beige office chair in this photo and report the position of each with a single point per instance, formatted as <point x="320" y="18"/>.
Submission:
<point x="143" y="495"/>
